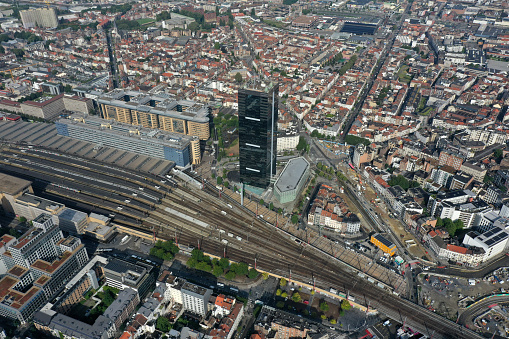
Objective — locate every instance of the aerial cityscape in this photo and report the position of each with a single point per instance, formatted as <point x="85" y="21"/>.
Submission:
<point x="264" y="169"/>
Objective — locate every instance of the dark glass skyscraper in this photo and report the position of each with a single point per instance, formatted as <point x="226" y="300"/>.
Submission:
<point x="258" y="116"/>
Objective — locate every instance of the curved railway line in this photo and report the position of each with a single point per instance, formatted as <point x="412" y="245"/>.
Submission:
<point x="271" y="248"/>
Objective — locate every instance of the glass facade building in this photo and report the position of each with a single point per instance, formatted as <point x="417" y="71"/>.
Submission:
<point x="258" y="114"/>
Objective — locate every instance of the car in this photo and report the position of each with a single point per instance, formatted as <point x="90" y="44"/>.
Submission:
<point x="157" y="187"/>
<point x="120" y="208"/>
<point x="127" y="200"/>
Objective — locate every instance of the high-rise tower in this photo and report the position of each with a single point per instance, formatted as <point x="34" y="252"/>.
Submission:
<point x="258" y="114"/>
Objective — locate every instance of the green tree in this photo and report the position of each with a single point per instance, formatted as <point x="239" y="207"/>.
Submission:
<point x="295" y="218"/>
<point x="345" y="305"/>
<point x="333" y="321"/>
<point x="284" y="295"/>
<point x="242" y="269"/>
<point x="302" y="145"/>
<point x="18" y="52"/>
<point x="217" y="45"/>
<point x="271" y="206"/>
<point x="219" y="180"/>
<point x="296" y="297"/>
<point x="217" y="271"/>
<point x="283" y="282"/>
<point x="238" y="77"/>
<point x="324" y="306"/>
<point x="498" y="153"/>
<point x="262" y="202"/>
<point x="440" y="222"/>
<point x="280" y="304"/>
<point x="323" y="316"/>
<point x="163" y="324"/>
<point x="191" y="262"/>
<point x="230" y="275"/>
<point x="253" y="274"/>
<point x="224" y="263"/>
<point x="278" y="292"/>
<point x="265" y="275"/>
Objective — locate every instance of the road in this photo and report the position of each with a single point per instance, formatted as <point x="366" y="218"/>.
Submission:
<point x="369" y="82"/>
<point x="480" y="306"/>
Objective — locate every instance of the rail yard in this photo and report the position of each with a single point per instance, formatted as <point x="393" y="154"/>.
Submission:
<point x="199" y="218"/>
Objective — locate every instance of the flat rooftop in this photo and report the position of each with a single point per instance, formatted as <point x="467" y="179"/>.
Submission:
<point x="292" y="174"/>
<point x="194" y="288"/>
<point x="259" y="85"/>
<point x="153" y="136"/>
<point x="12" y="185"/>
<point x="161" y="103"/>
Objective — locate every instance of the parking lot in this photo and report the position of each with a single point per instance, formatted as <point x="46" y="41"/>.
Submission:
<point x="447" y="295"/>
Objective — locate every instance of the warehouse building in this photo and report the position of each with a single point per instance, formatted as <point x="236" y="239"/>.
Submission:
<point x="291" y="181"/>
<point x="382" y="243"/>
<point x="183" y="150"/>
<point x="160" y="111"/>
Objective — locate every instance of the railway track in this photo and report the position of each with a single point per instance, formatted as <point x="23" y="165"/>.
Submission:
<point x="271" y="248"/>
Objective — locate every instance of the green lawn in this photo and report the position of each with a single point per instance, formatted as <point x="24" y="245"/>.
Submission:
<point x="403" y="75"/>
<point x="145" y="21"/>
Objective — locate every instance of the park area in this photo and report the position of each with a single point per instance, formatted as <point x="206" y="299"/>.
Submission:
<point x="94" y="304"/>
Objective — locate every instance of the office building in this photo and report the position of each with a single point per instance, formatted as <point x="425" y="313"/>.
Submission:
<point x="195" y="298"/>
<point x="292" y="179"/>
<point x="40" y="17"/>
<point x="51" y="88"/>
<point x="44" y="108"/>
<point x="160" y="111"/>
<point x="31" y="206"/>
<point x="39" y="263"/>
<point x="182" y="150"/>
<point x="72" y="221"/>
<point x="12" y="188"/>
<point x="258" y="115"/>
<point x="123" y="273"/>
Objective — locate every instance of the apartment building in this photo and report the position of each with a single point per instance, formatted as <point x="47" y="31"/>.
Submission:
<point x="45" y="109"/>
<point x="40" y="17"/>
<point x="195" y="298"/>
<point x="39" y="263"/>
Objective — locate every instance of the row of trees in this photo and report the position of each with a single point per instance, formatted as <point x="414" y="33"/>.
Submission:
<point x="451" y="226"/>
<point x="355" y="140"/>
<point x="220" y="267"/>
<point x="165" y="250"/>
<point x="403" y="182"/>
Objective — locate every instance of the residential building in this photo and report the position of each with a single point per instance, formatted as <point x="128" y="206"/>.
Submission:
<point x="122" y="307"/>
<point x="40" y="17"/>
<point x="502" y="178"/>
<point x="452" y="159"/>
<point x="39" y="263"/>
<point x="258" y="114"/>
<point x="195" y="298"/>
